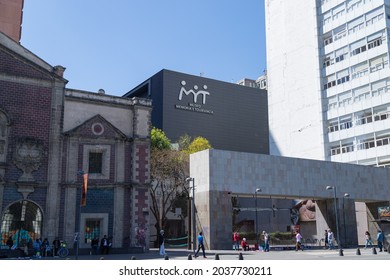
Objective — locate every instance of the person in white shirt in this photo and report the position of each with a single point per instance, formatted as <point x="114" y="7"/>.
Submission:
<point x="298" y="244"/>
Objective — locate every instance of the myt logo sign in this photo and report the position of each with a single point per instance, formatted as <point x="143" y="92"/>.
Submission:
<point x="196" y="92"/>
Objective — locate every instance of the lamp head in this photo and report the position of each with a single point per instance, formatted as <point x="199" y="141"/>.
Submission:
<point x="346" y="195"/>
<point x="329" y="187"/>
<point x="258" y="190"/>
<point x="188" y="179"/>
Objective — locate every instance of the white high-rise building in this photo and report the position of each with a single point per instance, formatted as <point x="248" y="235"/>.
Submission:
<point x="329" y="84"/>
<point x="329" y="79"/>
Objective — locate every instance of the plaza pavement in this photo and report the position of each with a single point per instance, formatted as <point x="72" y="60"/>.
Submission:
<point x="183" y="254"/>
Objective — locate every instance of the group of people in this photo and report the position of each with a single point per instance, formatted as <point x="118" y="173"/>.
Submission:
<point x="43" y="248"/>
<point x="329" y="239"/>
<point x="379" y="238"/>
<point x="237" y="241"/>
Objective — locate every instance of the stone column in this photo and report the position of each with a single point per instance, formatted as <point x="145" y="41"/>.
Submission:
<point x="214" y="218"/>
<point x="117" y="240"/>
<point x="53" y="194"/>
<point x="326" y="218"/>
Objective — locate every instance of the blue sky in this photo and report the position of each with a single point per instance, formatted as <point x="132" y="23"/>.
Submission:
<point x="116" y="45"/>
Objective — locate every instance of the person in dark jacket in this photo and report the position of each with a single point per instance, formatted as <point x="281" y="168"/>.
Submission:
<point x="161" y="243"/>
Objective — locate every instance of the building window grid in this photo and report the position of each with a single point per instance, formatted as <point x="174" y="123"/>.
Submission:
<point x="380" y="65"/>
<point x="362" y="145"/>
<point x="346" y="123"/>
<point x="344" y="31"/>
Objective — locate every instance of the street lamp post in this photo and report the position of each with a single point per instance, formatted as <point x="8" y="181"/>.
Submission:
<point x="336" y="213"/>
<point x="190" y="179"/>
<point x="346" y="195"/>
<point x="256" y="224"/>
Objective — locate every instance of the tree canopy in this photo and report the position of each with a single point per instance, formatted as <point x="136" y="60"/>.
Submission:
<point x="159" y="140"/>
<point x="198" y="144"/>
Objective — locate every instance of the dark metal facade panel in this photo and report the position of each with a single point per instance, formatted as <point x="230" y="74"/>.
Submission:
<point x="230" y="116"/>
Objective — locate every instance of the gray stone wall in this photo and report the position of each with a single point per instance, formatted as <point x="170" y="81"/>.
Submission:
<point x="218" y="173"/>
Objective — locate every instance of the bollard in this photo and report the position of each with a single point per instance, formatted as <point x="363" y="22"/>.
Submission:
<point x="358" y="252"/>
<point x="217" y="256"/>
<point x="240" y="257"/>
<point x="189" y="257"/>
<point x="133" y="258"/>
<point x="374" y="250"/>
<point x="166" y="257"/>
<point x="341" y="252"/>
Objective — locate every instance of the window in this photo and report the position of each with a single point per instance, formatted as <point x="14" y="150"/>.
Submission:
<point x="338" y="11"/>
<point x="347" y="148"/>
<point x="341" y="54"/>
<point x="378" y="63"/>
<point x="380" y="87"/>
<point x="364" y="118"/>
<point x="345" y="123"/>
<point x="96" y="160"/>
<point x="343" y="76"/>
<point x="374" y="43"/>
<point x="383" y="141"/>
<point x="92" y="230"/>
<point x="332" y="102"/>
<point x="327" y="17"/>
<point x="356" y="25"/>
<point x="367" y="144"/>
<point x="328" y="39"/>
<point x="381" y="113"/>
<point x="330" y="83"/>
<point x="359" y="70"/>
<point x="358" y="47"/>
<point x="95" y="163"/>
<point x="340" y="32"/>
<point x="375" y="40"/>
<point x="333" y="126"/>
<point x="374" y="16"/>
<point x="361" y="93"/>
<point x="345" y="99"/>
<point x="353" y="4"/>
<point x="329" y="60"/>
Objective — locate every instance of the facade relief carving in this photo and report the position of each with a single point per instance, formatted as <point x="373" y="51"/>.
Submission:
<point x="28" y="157"/>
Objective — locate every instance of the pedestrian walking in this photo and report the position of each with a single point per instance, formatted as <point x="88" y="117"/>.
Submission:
<point x="104" y="245"/>
<point x="368" y="240"/>
<point x="236" y="240"/>
<point x="298" y="242"/>
<point x="330" y="239"/>
<point x="380" y="238"/>
<point x="266" y="241"/>
<point x="326" y="239"/>
<point x="56" y="246"/>
<point x="200" y="245"/>
<point x="161" y="243"/>
<point x="95" y="245"/>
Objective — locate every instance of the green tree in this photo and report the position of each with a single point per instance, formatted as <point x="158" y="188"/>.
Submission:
<point x="198" y="144"/>
<point x="169" y="169"/>
<point x="159" y="140"/>
<point x="184" y="141"/>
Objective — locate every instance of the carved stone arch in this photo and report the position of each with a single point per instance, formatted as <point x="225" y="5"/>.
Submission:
<point x="22" y="221"/>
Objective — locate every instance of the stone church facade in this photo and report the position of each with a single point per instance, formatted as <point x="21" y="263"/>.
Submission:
<point x="50" y="136"/>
